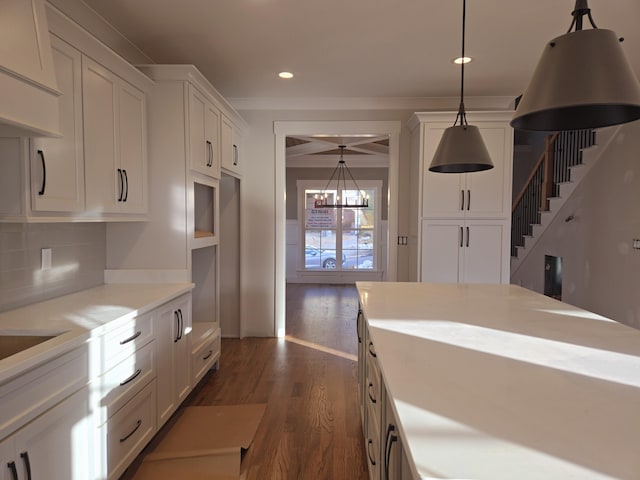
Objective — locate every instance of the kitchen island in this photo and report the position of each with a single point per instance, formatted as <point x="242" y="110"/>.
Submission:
<point x="498" y="382"/>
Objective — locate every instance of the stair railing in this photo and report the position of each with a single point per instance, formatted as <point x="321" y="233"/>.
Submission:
<point x="562" y="151"/>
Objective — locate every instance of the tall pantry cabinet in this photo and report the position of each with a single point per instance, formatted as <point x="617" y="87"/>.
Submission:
<point x="463" y="219"/>
<point x="181" y="242"/>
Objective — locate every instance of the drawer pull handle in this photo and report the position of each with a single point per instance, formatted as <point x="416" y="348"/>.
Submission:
<point x="371" y="397"/>
<point x="371" y="458"/>
<point x="131" y="338"/>
<point x="208" y="355"/>
<point x="371" y="350"/>
<point x="124" y="382"/>
<point x="44" y="178"/>
<point x="135" y="429"/>
<point x="388" y="449"/>
<point x="14" y="473"/>
<point x="27" y="463"/>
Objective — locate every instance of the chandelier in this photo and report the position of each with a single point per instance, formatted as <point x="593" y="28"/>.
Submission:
<point x="339" y="176"/>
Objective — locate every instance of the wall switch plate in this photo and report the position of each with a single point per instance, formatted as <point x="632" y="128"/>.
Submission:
<point x="46" y="259"/>
<point x="636" y="243"/>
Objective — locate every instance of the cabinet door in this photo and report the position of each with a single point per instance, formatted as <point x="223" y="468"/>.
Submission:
<point x="442" y="241"/>
<point x="204" y="125"/>
<point x="104" y="180"/>
<point x="484" y="252"/>
<point x="230" y="143"/>
<point x="57" y="164"/>
<point x="442" y="194"/>
<point x="133" y="148"/>
<point x="489" y="191"/>
<point x="57" y="445"/>
<point x="483" y="194"/>
<point x="8" y="461"/>
<point x="173" y="324"/>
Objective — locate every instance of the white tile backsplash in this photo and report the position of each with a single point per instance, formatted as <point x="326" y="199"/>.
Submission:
<point x="78" y="260"/>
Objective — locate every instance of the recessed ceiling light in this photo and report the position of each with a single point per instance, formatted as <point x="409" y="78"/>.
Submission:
<point x="285" y="75"/>
<point x="461" y="60"/>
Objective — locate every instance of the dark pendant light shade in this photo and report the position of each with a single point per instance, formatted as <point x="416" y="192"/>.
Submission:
<point x="583" y="80"/>
<point x="461" y="148"/>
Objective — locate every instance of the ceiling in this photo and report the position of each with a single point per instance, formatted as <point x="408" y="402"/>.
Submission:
<point x="358" y="48"/>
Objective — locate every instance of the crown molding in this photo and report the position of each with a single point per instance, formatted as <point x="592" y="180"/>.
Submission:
<point x="373" y="103"/>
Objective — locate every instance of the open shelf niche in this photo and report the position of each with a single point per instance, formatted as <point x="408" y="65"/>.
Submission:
<point x="205" y="214"/>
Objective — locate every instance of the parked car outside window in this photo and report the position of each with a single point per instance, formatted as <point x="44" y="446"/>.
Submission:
<point x="317" y="258"/>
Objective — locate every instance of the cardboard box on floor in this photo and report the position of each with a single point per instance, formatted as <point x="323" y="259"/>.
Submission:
<point x="205" y="443"/>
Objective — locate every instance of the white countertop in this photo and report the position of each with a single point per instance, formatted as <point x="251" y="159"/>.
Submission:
<point x="78" y="316"/>
<point x="498" y="382"/>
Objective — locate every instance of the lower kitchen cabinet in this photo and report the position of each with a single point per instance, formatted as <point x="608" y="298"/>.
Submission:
<point x="56" y="445"/>
<point x="386" y="459"/>
<point x="464" y="251"/>
<point x="173" y="334"/>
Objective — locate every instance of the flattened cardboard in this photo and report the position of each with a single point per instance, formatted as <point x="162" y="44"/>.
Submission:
<point x="205" y="442"/>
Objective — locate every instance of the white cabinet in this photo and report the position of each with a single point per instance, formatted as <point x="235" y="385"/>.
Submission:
<point x="231" y="147"/>
<point x="114" y="142"/>
<point x="57" y="164"/>
<point x="204" y="134"/>
<point x="28" y="94"/>
<point x="464" y="251"/>
<point x="57" y="445"/>
<point x="464" y="219"/>
<point x="173" y="329"/>
<point x="474" y="195"/>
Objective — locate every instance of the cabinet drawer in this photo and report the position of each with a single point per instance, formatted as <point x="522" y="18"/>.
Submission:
<point x="129" y="430"/>
<point x="204" y="357"/>
<point x="372" y="445"/>
<point x="373" y="386"/>
<point x="125" y="340"/>
<point x="38" y="390"/>
<point x="122" y="382"/>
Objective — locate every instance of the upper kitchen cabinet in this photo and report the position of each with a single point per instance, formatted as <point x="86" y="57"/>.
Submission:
<point x="114" y="142"/>
<point x="204" y="134"/>
<point x="28" y="87"/>
<point x="231" y="147"/>
<point x="483" y="194"/>
<point x="57" y="164"/>
<point x="97" y="170"/>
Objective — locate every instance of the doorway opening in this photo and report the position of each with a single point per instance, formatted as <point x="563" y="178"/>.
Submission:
<point x="337" y="129"/>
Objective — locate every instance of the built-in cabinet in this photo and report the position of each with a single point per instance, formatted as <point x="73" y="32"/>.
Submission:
<point x="230" y="147"/>
<point x="28" y="91"/>
<point x="57" y="164"/>
<point x="115" y="142"/>
<point x="463" y="218"/>
<point x="37" y="450"/>
<point x="383" y="446"/>
<point x="173" y="327"/>
<point x="97" y="169"/>
<point x="204" y="134"/>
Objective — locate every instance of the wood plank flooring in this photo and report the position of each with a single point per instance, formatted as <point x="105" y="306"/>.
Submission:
<point x="311" y="429"/>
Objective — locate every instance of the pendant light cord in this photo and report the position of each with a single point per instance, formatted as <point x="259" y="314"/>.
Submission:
<point x="461" y="112"/>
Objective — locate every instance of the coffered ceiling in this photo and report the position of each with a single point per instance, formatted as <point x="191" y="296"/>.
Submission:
<point x="358" y="48"/>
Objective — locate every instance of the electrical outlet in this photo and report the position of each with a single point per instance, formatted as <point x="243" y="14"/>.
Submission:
<point x="636" y="243"/>
<point x="46" y="259"/>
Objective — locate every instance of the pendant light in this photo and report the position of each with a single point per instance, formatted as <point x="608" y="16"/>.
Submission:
<point x="583" y="80"/>
<point x="461" y="148"/>
<point x="340" y="175"/>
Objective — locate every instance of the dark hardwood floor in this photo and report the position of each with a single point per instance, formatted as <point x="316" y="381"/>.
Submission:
<point x="311" y="429"/>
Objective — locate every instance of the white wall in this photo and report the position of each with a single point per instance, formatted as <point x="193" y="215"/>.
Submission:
<point x="601" y="272"/>
<point x="259" y="195"/>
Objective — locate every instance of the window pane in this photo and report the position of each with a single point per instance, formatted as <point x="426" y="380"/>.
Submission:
<point x="320" y="249"/>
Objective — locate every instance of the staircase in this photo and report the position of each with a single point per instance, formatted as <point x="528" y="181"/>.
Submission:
<point x="567" y="159"/>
